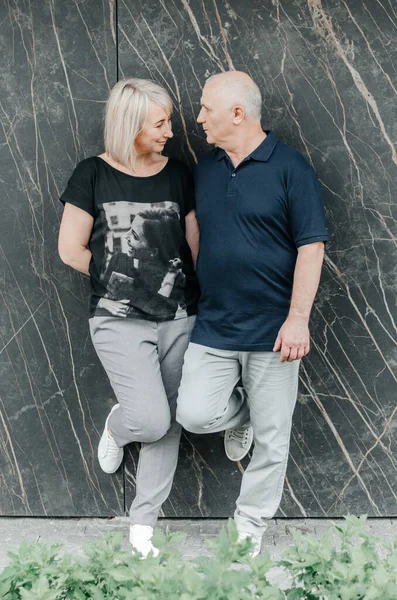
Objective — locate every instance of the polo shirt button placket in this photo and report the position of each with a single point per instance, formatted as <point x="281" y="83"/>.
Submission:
<point x="231" y="188"/>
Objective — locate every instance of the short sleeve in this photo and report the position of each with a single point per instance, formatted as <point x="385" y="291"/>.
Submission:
<point x="306" y="210"/>
<point x="80" y="188"/>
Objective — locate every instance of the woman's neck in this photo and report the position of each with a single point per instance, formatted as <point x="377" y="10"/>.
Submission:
<point x="144" y="166"/>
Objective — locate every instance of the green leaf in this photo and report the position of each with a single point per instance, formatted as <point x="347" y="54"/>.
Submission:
<point x="232" y="531"/>
<point x="120" y="574"/>
<point x="39" y="591"/>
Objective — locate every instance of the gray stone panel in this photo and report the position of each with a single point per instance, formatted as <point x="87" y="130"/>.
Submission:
<point x="58" y="62"/>
<point x="327" y="73"/>
<point x="328" y="77"/>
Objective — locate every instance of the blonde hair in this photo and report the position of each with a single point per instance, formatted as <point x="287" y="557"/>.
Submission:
<point x="126" y="112"/>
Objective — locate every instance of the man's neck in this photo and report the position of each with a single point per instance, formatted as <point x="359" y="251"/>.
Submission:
<point x="242" y="148"/>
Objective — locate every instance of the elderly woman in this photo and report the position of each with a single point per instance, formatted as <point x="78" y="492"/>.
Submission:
<point x="127" y="218"/>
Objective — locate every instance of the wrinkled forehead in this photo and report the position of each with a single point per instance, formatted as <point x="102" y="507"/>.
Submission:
<point x="211" y="88"/>
<point x="216" y="94"/>
<point x="212" y="93"/>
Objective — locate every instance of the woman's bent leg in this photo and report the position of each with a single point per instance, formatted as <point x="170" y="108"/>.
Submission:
<point x="127" y="349"/>
<point x="158" y="460"/>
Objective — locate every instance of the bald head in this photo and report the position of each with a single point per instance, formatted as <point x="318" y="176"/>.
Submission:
<point x="237" y="88"/>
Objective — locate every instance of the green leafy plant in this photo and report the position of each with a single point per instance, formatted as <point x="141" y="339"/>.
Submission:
<point x="358" y="567"/>
<point x="43" y="572"/>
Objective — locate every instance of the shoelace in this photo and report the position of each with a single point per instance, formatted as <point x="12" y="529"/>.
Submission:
<point x="111" y="446"/>
<point x="239" y="435"/>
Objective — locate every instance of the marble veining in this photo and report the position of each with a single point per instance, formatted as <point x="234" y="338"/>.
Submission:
<point x="327" y="71"/>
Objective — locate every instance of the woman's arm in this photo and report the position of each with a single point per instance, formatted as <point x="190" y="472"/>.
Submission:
<point x="192" y="234"/>
<point x="74" y="235"/>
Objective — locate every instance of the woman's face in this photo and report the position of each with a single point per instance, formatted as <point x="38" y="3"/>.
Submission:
<point x="135" y="236"/>
<point x="156" y="131"/>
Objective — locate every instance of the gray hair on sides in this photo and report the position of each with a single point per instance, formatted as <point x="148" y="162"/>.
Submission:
<point x="246" y="93"/>
<point x="126" y="112"/>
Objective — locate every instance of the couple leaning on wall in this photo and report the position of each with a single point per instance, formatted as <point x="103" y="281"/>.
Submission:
<point x="213" y="348"/>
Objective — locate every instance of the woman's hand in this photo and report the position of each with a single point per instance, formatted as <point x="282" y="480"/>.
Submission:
<point x="117" y="308"/>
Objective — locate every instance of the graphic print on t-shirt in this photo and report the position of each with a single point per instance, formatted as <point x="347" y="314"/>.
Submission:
<point x="142" y="269"/>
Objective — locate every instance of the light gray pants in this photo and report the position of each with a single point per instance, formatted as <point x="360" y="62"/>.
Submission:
<point x="143" y="360"/>
<point x="206" y="404"/>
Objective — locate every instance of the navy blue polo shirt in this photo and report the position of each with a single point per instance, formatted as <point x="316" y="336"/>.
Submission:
<point x="252" y="220"/>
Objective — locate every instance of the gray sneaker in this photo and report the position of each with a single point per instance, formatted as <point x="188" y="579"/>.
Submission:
<point x="110" y="456"/>
<point x="238" y="443"/>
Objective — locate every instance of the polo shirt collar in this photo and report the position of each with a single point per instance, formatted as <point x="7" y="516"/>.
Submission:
<point x="261" y="153"/>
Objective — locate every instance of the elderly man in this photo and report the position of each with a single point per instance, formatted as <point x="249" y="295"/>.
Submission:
<point x="261" y="221"/>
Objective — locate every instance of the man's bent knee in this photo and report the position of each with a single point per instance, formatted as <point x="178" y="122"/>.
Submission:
<point x="191" y="419"/>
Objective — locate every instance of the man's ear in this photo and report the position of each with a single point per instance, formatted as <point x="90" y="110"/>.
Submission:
<point x="238" y="114"/>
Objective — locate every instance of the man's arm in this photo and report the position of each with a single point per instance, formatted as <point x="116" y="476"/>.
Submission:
<point x="294" y="337"/>
<point x="192" y="234"/>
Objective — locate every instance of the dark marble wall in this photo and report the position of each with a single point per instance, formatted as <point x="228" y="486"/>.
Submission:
<point x="327" y="71"/>
<point x="58" y="62"/>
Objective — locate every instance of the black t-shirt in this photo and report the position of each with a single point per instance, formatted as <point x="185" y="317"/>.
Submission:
<point x="140" y="257"/>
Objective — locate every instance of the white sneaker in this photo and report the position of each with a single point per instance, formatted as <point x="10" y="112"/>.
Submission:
<point x="110" y="456"/>
<point x="141" y="540"/>
<point x="238" y="443"/>
<point x="256" y="541"/>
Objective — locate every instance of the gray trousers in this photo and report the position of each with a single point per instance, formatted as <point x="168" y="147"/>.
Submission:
<point x="143" y="360"/>
<point x="206" y="404"/>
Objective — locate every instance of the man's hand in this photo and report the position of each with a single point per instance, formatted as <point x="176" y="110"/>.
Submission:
<point x="192" y="234"/>
<point x="293" y="339"/>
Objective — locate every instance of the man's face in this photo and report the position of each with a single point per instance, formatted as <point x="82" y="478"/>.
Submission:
<point x="215" y="115"/>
